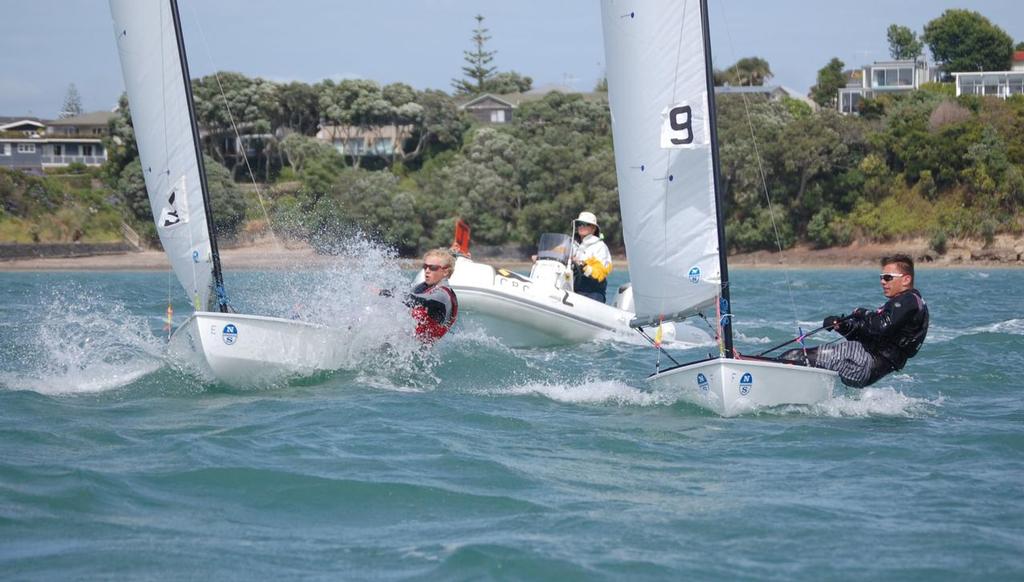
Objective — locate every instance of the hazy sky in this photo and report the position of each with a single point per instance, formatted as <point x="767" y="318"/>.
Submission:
<point x="47" y="44"/>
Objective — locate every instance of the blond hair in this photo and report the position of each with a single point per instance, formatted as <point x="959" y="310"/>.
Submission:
<point x="443" y="255"/>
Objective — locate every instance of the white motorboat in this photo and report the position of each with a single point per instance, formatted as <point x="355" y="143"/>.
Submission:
<point x="540" y="309"/>
<point x="231" y="347"/>
<point x="661" y="92"/>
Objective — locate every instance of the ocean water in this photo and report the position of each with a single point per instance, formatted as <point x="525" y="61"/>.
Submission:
<point x="476" y="461"/>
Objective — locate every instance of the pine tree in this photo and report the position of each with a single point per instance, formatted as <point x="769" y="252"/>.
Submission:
<point x="477" y="71"/>
<point x="72" y="103"/>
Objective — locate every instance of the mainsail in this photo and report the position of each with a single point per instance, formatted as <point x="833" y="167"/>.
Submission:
<point x="159" y="93"/>
<point x="662" y="123"/>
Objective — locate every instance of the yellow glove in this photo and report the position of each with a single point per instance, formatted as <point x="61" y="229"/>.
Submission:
<point x="595" y="269"/>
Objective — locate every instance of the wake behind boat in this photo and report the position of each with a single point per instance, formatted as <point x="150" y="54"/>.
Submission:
<point x="232" y="348"/>
<point x="541" y="309"/>
<point x="661" y="92"/>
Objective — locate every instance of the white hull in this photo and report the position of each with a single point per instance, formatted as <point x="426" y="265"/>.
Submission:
<point x="252" y="350"/>
<point x="730" y="387"/>
<point x="541" y="310"/>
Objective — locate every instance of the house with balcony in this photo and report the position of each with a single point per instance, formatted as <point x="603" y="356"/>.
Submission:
<point x="884" y="78"/>
<point x="1001" y="84"/>
<point x="31" y="145"/>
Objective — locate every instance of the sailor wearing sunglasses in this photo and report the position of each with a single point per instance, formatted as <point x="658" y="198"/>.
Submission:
<point x="434" y="305"/>
<point x="879" y="341"/>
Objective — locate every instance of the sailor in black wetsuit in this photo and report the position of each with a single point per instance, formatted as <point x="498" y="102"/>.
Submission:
<point x="879" y="341"/>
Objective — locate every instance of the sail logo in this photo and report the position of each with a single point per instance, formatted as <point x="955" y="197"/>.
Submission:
<point x="230" y="334"/>
<point x="694" y="275"/>
<point x="702" y="382"/>
<point x="175" y="212"/>
<point x="746" y="382"/>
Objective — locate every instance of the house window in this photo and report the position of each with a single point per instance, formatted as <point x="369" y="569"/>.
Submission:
<point x="498" y="116"/>
<point x="87" y="149"/>
<point x="26" y="148"/>
<point x="355" y="146"/>
<point x="57" y="150"/>
<point x="383" y="146"/>
<point x="5" y="149"/>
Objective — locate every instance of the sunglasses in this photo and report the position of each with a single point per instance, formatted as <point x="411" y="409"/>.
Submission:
<point x="890" y="276"/>
<point x="432" y="268"/>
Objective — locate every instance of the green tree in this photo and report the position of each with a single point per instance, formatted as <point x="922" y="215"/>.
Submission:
<point x="508" y="82"/>
<point x="965" y="41"/>
<point x="300" y="108"/>
<point x="72" y="103"/>
<point x="903" y="43"/>
<point x="227" y="103"/>
<point x="477" y="69"/>
<point x="747" y="71"/>
<point x="830" y="80"/>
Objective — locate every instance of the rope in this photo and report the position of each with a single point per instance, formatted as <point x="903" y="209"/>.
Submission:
<point x="234" y="127"/>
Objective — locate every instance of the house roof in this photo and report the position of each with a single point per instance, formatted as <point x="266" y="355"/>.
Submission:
<point x="516" y="99"/>
<point x="1018" y="56"/>
<point x="94" y="118"/>
<point x="12" y="123"/>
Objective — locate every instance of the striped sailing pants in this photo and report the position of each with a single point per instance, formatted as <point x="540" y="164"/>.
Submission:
<point x="853" y="363"/>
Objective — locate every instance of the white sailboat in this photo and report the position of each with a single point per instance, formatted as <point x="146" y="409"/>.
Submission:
<point x="541" y="309"/>
<point x="230" y="347"/>
<point x="661" y="92"/>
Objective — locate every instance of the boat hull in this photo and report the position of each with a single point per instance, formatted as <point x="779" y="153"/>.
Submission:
<point x="730" y="387"/>
<point x="251" y="350"/>
<point x="541" y="310"/>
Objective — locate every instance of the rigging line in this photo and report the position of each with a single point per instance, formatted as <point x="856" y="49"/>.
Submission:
<point x="234" y="127"/>
<point x="760" y="170"/>
<point x="641" y="331"/>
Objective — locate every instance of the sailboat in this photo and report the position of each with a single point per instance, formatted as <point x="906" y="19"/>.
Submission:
<point x="233" y="348"/>
<point x="661" y="93"/>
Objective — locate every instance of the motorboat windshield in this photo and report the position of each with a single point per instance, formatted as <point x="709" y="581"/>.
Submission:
<point x="554" y="247"/>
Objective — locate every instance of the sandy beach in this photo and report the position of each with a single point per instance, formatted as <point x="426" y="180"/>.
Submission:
<point x="1005" y="252"/>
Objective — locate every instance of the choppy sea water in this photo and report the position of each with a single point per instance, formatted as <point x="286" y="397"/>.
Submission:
<point x="481" y="462"/>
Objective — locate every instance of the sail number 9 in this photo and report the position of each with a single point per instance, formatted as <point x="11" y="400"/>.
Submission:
<point x="677" y="127"/>
<point x="680" y="119"/>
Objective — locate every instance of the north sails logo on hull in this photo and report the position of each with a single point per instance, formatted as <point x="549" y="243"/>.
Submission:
<point x="702" y="382"/>
<point x="694" y="274"/>
<point x="746" y="383"/>
<point x="230" y="334"/>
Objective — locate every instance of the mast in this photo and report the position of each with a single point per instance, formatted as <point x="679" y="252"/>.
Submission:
<point x="218" y="277"/>
<point x="726" y="305"/>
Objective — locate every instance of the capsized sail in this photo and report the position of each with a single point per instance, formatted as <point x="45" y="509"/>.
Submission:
<point x="661" y="127"/>
<point x="155" y="77"/>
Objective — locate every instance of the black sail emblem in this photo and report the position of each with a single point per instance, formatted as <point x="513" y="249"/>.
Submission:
<point x="171" y="213"/>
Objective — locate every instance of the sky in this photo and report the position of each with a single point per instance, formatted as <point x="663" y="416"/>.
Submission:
<point x="45" y="45"/>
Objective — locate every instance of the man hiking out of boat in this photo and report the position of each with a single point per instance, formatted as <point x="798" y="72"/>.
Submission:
<point x="879" y="341"/>
<point x="434" y="305"/>
<point x="591" y="260"/>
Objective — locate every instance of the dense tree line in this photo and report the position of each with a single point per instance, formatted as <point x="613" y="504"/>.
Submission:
<point x="921" y="164"/>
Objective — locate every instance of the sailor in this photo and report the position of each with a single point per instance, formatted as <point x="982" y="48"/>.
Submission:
<point x="434" y="305"/>
<point x="879" y="341"/>
<point x="592" y="262"/>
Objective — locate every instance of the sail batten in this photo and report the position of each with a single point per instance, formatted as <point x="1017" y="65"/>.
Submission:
<point x="661" y="124"/>
<point x="153" y="66"/>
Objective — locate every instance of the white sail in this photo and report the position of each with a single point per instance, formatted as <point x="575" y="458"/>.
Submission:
<point x="154" y="79"/>
<point x="657" y="89"/>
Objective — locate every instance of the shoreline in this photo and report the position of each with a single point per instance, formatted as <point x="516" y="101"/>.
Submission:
<point x="1007" y="253"/>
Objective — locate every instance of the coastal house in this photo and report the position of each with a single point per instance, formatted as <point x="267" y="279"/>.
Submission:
<point x="351" y="140"/>
<point x="31" y="145"/>
<point x="498" y="109"/>
<point x="770" y="92"/>
<point x="884" y="77"/>
<point x="1000" y="84"/>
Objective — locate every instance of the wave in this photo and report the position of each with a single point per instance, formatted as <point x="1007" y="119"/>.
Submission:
<point x="81" y="344"/>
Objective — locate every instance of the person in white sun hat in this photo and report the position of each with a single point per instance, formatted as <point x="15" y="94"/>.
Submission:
<point x="591" y="260"/>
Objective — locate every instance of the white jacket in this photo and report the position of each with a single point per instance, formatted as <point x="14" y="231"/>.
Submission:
<point x="593" y="248"/>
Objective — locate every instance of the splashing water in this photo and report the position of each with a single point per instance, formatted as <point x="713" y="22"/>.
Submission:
<point x="81" y="344"/>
